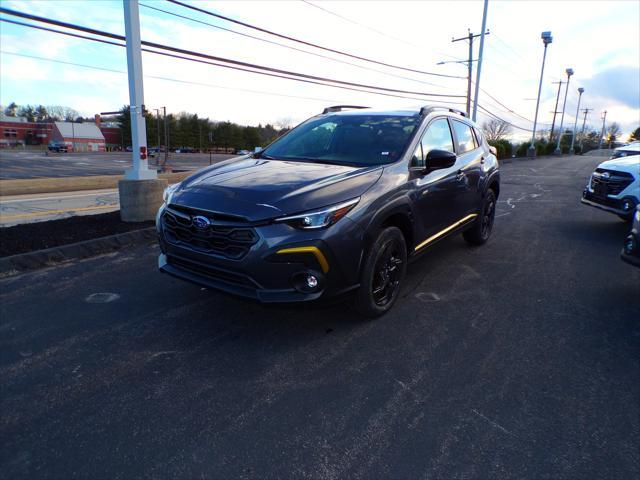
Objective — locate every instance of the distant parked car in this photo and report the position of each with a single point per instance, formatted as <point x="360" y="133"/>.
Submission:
<point x="243" y="152"/>
<point x="56" y="146"/>
<point x="615" y="185"/>
<point x="631" y="249"/>
<point x="627" y="150"/>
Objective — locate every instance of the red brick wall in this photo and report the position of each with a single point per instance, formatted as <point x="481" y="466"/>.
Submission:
<point x="31" y="133"/>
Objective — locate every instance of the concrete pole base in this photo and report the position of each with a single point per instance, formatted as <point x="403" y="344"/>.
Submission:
<point x="531" y="152"/>
<point x="140" y="199"/>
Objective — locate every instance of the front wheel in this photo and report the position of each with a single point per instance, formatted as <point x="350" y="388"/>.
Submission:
<point x="382" y="274"/>
<point x="480" y="232"/>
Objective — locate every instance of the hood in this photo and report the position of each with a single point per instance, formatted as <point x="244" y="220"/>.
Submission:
<point x="259" y="189"/>
<point x="629" y="164"/>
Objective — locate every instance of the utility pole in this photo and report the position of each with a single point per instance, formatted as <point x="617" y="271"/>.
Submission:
<point x="546" y="39"/>
<point x="558" y="151"/>
<point x="584" y="123"/>
<point x="555" y="110"/>
<point x="484" y="28"/>
<point x="140" y="191"/>
<point x="604" y="120"/>
<point x="575" y="124"/>
<point x="166" y="137"/>
<point x="469" y="63"/>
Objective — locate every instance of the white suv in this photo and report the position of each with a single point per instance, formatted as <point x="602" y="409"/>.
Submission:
<point x="615" y="184"/>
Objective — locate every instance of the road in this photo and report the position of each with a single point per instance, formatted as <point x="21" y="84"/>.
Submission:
<point x="50" y="206"/>
<point x="518" y="359"/>
<point x="17" y="164"/>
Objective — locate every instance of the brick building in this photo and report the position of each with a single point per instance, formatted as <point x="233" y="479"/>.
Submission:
<point x="95" y="137"/>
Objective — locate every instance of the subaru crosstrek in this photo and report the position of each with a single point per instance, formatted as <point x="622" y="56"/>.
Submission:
<point x="338" y="204"/>
<point x="615" y="184"/>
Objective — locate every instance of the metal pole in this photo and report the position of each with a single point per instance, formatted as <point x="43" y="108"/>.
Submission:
<point x="564" y="105"/>
<point x="73" y="137"/>
<point x="604" y="119"/>
<point x="158" y="126"/>
<point x="484" y="26"/>
<point x="575" y="124"/>
<point x="469" y="73"/>
<point x="532" y="148"/>
<point x="555" y="110"/>
<point x="140" y="170"/>
<point x="166" y="137"/>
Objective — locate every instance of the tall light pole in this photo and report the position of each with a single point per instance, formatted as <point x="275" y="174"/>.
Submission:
<point x="575" y="124"/>
<point x="482" y="33"/>
<point x="604" y="120"/>
<point x="140" y="191"/>
<point x="555" y="110"/>
<point x="546" y="39"/>
<point x="558" y="151"/>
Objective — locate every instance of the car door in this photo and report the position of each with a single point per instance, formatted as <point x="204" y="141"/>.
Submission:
<point x="470" y="158"/>
<point x="436" y="192"/>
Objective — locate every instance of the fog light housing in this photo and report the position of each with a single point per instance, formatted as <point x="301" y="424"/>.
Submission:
<point x="627" y="205"/>
<point x="308" y="281"/>
<point x="629" y="245"/>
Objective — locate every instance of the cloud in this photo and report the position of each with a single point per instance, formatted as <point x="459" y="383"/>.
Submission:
<point x="621" y="84"/>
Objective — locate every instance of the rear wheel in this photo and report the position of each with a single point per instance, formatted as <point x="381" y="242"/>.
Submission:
<point x="480" y="232"/>
<point x="382" y="274"/>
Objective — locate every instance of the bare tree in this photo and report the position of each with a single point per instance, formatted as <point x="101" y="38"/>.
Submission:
<point x="496" y="130"/>
<point x="284" y="123"/>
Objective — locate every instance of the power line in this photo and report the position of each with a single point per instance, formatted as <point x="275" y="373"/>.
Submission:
<point x="354" y="22"/>
<point x="223" y="65"/>
<point x="286" y="37"/>
<point x="271" y="42"/>
<point x="219" y="59"/>
<point x="502" y="119"/>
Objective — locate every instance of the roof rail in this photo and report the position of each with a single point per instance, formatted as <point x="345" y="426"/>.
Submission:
<point x="427" y="109"/>
<point x="339" y="108"/>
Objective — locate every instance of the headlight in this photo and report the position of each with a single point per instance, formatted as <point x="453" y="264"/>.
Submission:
<point x="168" y="192"/>
<point x="319" y="218"/>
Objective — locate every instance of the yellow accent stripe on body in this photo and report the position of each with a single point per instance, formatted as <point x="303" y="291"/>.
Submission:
<point x="322" y="260"/>
<point x="445" y="231"/>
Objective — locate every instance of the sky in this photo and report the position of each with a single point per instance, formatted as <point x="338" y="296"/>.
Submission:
<point x="600" y="40"/>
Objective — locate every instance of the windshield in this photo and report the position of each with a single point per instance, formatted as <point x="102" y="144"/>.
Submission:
<point x="358" y="140"/>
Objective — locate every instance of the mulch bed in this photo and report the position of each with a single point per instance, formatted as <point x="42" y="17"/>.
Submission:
<point x="30" y="237"/>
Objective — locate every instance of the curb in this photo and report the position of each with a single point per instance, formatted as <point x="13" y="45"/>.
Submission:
<point x="25" y="262"/>
<point x="26" y="186"/>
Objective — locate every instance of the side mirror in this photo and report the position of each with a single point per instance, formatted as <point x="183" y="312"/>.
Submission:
<point x="437" y="159"/>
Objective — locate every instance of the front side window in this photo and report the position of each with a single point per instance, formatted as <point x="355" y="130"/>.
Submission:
<point x="437" y="137"/>
<point x="466" y="140"/>
<point x="357" y="140"/>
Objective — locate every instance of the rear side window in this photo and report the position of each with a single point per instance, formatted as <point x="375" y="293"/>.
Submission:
<point x="466" y="140"/>
<point x="437" y="137"/>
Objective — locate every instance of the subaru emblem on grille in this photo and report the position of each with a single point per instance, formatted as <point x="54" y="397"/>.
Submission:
<point x="200" y="222"/>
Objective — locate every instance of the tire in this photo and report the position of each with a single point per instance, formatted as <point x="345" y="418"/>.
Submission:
<point x="480" y="232"/>
<point x="382" y="273"/>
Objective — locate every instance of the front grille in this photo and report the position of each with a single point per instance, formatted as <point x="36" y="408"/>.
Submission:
<point x="613" y="185"/>
<point x="211" y="272"/>
<point x="229" y="241"/>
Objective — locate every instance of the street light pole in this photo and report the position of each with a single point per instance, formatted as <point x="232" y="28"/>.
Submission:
<point x="140" y="192"/>
<point x="546" y="39"/>
<point x="479" y="69"/>
<point x="558" y="151"/>
<point x="575" y="124"/>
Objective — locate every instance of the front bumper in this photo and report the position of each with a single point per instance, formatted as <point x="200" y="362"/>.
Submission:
<point x="275" y="268"/>
<point x="613" y="205"/>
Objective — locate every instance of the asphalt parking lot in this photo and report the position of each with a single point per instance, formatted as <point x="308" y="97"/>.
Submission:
<point x="518" y="359"/>
<point x="18" y="164"/>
